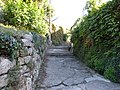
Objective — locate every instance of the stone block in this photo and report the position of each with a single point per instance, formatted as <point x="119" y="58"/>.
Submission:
<point x="21" y="60"/>
<point x="95" y="77"/>
<point x="37" y="57"/>
<point x="22" y="83"/>
<point x="5" y="65"/>
<point x="82" y="86"/>
<point x="99" y="85"/>
<point x="27" y="43"/>
<point x="29" y="50"/>
<point x="24" y="69"/>
<point x="24" y="60"/>
<point x="27" y="59"/>
<point x="29" y="84"/>
<point x="27" y="75"/>
<point x="3" y="80"/>
<point x="23" y="52"/>
<point x="28" y="37"/>
<point x="35" y="74"/>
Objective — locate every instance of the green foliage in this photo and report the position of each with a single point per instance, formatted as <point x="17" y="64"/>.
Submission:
<point x="8" y="46"/>
<point x="110" y="73"/>
<point x="65" y="37"/>
<point x="27" y="15"/>
<point x="57" y="36"/>
<point x="30" y="65"/>
<point x="13" y="78"/>
<point x="96" y="38"/>
<point x="99" y="65"/>
<point x="39" y="42"/>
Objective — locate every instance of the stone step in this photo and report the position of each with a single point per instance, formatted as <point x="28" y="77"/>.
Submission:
<point x="65" y="72"/>
<point x="59" y="51"/>
<point x="60" y="54"/>
<point x="58" y="47"/>
<point x="63" y="56"/>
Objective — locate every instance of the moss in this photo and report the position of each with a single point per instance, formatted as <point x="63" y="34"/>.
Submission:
<point x="12" y="31"/>
<point x="30" y="65"/>
<point x="13" y="77"/>
<point x="9" y="46"/>
<point x="38" y="40"/>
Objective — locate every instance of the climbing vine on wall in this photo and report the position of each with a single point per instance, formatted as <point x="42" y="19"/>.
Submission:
<point x="96" y="39"/>
<point x="9" y="46"/>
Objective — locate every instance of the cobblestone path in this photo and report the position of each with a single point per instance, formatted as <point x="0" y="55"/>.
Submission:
<point x="64" y="72"/>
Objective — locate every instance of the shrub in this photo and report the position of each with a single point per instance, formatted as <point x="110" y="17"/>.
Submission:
<point x="99" y="65"/>
<point x="25" y="15"/>
<point x="96" y="38"/>
<point x="9" y="46"/>
<point x="65" y="36"/>
<point x="57" y="36"/>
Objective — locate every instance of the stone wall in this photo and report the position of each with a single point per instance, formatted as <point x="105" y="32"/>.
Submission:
<point x="21" y="73"/>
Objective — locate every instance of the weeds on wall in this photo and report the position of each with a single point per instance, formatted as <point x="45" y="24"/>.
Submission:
<point x="9" y="47"/>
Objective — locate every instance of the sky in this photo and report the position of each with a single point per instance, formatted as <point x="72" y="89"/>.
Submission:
<point x="67" y="11"/>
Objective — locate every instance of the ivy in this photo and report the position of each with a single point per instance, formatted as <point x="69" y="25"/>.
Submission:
<point x="96" y="38"/>
<point x="9" y="46"/>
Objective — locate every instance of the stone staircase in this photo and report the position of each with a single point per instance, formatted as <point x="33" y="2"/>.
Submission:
<point x="59" y="51"/>
<point x="64" y="72"/>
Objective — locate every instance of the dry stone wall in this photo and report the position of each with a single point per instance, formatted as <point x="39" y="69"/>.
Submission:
<point x="21" y="73"/>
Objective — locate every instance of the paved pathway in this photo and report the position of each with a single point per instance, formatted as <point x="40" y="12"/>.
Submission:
<point x="64" y="72"/>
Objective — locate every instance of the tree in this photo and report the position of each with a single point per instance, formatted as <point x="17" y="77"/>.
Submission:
<point x="27" y="14"/>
